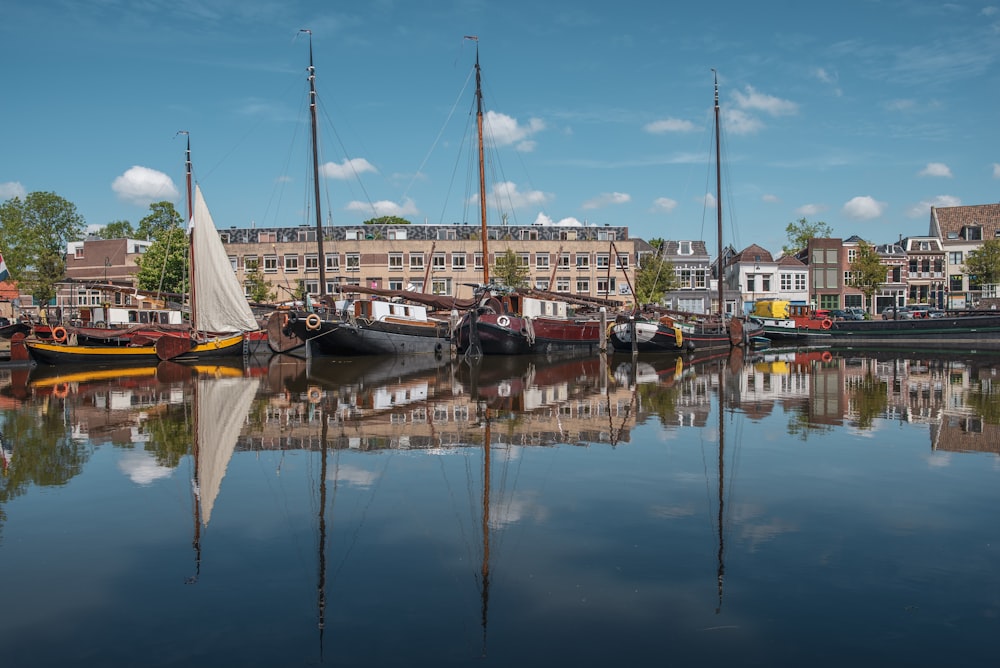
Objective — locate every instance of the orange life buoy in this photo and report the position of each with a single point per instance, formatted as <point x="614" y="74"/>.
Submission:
<point x="312" y="322"/>
<point x="61" y="390"/>
<point x="827" y="323"/>
<point x="315" y="395"/>
<point x="826" y="356"/>
<point x="59" y="334"/>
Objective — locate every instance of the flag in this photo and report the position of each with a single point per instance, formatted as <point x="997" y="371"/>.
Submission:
<point x="4" y="274"/>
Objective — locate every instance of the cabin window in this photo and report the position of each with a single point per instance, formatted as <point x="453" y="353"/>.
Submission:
<point x="353" y="261"/>
<point x="270" y="264"/>
<point x="395" y="262"/>
<point x="417" y="261"/>
<point x="291" y="263"/>
<point x="458" y="261"/>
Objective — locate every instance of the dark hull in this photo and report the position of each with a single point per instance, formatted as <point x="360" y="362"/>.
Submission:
<point x="966" y="333"/>
<point x="654" y="337"/>
<point x="382" y="338"/>
<point x="513" y="335"/>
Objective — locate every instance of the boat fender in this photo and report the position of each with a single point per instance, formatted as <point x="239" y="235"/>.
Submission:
<point x="826" y="324"/>
<point x="59" y="334"/>
<point x="826" y="356"/>
<point x="503" y="321"/>
<point x="678" y="337"/>
<point x="312" y="322"/>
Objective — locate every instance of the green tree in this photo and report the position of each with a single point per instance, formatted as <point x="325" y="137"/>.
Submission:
<point x="33" y="234"/>
<point x="387" y="220"/>
<point x="801" y="231"/>
<point x="119" y="229"/>
<point x="259" y="287"/>
<point x="164" y="266"/>
<point x="983" y="264"/>
<point x="654" y="278"/>
<point x="868" y="274"/>
<point x="163" y="216"/>
<point x="508" y="270"/>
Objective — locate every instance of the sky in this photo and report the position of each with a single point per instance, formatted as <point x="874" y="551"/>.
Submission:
<point x="860" y="114"/>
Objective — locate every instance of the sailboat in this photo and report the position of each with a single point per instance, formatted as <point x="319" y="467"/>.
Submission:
<point x="221" y="320"/>
<point x="690" y="332"/>
<point x="507" y="321"/>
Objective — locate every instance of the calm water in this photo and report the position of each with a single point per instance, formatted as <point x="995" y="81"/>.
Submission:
<point x="835" y="512"/>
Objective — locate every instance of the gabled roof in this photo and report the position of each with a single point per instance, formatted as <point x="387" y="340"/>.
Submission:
<point x="754" y="253"/>
<point x="949" y="222"/>
<point x="672" y="249"/>
<point x="790" y="261"/>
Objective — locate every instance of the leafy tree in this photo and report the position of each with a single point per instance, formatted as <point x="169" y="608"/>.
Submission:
<point x="164" y="266"/>
<point x="259" y="287"/>
<point x="867" y="272"/>
<point x="163" y="216"/>
<point x="33" y="234"/>
<point x="654" y="278"/>
<point x="801" y="231"/>
<point x="387" y="220"/>
<point x="119" y="229"/>
<point x="983" y="263"/>
<point x="508" y="270"/>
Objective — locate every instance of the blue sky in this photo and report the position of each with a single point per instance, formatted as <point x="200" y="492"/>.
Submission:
<point x="859" y="113"/>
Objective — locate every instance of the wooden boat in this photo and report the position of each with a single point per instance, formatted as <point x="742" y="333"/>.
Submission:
<point x="677" y="332"/>
<point x="507" y="322"/>
<point x="222" y="323"/>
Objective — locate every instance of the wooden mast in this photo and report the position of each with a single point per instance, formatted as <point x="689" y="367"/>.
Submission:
<point x="718" y="200"/>
<point x="190" y="217"/>
<point x="482" y="165"/>
<point x="315" y="162"/>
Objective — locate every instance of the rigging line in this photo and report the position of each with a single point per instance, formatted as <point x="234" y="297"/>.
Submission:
<point x="437" y="139"/>
<point x="347" y="159"/>
<point x="279" y="184"/>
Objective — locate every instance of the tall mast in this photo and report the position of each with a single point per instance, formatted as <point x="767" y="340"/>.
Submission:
<point x="190" y="217"/>
<point x="482" y="166"/>
<point x="315" y="160"/>
<point x="718" y="199"/>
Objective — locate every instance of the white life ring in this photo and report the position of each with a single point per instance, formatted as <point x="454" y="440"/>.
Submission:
<point x="503" y="321"/>
<point x="312" y="322"/>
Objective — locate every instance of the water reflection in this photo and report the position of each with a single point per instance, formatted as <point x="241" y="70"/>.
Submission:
<point x="580" y="502"/>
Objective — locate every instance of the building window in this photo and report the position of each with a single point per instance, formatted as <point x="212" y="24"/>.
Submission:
<point x="312" y="263"/>
<point x="477" y="261"/>
<point x="700" y="279"/>
<point x="291" y="263"/>
<point x="542" y="261"/>
<point x="437" y="263"/>
<point x="955" y="282"/>
<point x="606" y="286"/>
<point x="441" y="286"/>
<point x="800" y="282"/>
<point x="529" y="235"/>
<point x="417" y="261"/>
<point x="270" y="264"/>
<point x="394" y="234"/>
<point x="523" y="259"/>
<point x="831" y="256"/>
<point x="955" y="257"/>
<point x="684" y="248"/>
<point x="446" y="235"/>
<point x="582" y="261"/>
<point x="622" y="261"/>
<point x="564" y="261"/>
<point x="416" y="285"/>
<point x="683" y="279"/>
<point x="785" y="282"/>
<point x="603" y="260"/>
<point x="458" y="261"/>
<point x="562" y="285"/>
<point x="333" y="262"/>
<point x="765" y="283"/>
<point x="541" y="284"/>
<point x="395" y="262"/>
<point x="582" y="286"/>
<point x="817" y="256"/>
<point x="250" y="263"/>
<point x="353" y="261"/>
<point x="395" y="284"/>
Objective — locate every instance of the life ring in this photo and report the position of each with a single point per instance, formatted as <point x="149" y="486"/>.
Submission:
<point x="826" y="356"/>
<point x="314" y="395"/>
<point x="503" y="321"/>
<point x="59" y="334"/>
<point x="61" y="390"/>
<point x="312" y="322"/>
<point x="826" y="324"/>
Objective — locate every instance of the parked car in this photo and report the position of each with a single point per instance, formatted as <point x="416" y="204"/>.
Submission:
<point x="921" y="310"/>
<point x="859" y="313"/>
<point x="936" y="313"/>
<point x="846" y="314"/>
<point x="897" y="313"/>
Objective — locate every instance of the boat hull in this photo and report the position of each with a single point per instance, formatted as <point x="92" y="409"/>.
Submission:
<point x="513" y="335"/>
<point x="388" y="338"/>
<point x="46" y="352"/>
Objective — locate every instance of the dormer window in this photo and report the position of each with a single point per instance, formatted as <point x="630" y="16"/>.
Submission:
<point x="684" y="248"/>
<point x="973" y="233"/>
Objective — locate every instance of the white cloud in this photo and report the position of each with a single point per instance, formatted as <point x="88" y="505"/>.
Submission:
<point x="989" y="11"/>
<point x="143" y="186"/>
<point x="830" y="78"/>
<point x="142" y="468"/>
<point x="936" y="169"/>
<point x="709" y="200"/>
<point x="542" y="219"/>
<point x="508" y="196"/>
<point x="770" y="199"/>
<point x="669" y="125"/>
<point x="900" y="105"/>
<point x="607" y="199"/>
<point x="348" y="169"/>
<point x="923" y="208"/>
<point x="385" y="208"/>
<point x="864" y="208"/>
<point x="664" y="204"/>
<point x="12" y="189"/>
<point x="810" y="209"/>
<point x="741" y="123"/>
<point x="996" y="170"/>
<point x="768" y="104"/>
<point x="506" y="131"/>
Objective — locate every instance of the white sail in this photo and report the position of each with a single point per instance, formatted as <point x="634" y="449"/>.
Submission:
<point x="221" y="406"/>
<point x="219" y="303"/>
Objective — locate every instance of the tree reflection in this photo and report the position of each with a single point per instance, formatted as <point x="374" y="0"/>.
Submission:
<point x="870" y="398"/>
<point x="985" y="401"/>
<point x="170" y="435"/>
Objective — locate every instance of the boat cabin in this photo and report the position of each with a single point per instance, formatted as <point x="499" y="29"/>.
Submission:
<point x="376" y="309"/>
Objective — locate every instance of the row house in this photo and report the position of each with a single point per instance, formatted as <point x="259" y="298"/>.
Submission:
<point x="961" y="230"/>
